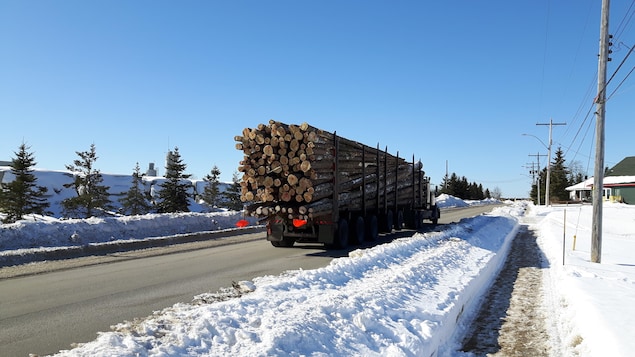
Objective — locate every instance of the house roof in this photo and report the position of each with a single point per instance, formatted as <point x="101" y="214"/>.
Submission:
<point x="626" y="167"/>
<point x="622" y="174"/>
<point x="612" y="181"/>
<point x="608" y="181"/>
<point x="585" y="185"/>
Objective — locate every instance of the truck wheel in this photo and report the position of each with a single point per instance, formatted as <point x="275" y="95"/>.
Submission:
<point x="285" y="243"/>
<point x="372" y="230"/>
<point x="435" y="220"/>
<point x="358" y="234"/>
<point x="399" y="223"/>
<point x="342" y="234"/>
<point x="389" y="222"/>
<point x="418" y="220"/>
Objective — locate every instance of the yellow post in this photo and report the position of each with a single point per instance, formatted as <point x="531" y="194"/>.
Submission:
<point x="574" y="237"/>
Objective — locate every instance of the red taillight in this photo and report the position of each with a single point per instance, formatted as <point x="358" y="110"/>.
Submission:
<point x="297" y="223"/>
<point x="242" y="223"/>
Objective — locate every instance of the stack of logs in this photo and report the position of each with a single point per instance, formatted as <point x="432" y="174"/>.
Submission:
<point x="289" y="170"/>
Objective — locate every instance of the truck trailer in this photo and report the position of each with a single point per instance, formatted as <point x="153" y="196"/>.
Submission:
<point x="312" y="186"/>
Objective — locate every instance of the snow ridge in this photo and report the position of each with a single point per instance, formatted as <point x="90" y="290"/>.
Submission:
<point x="396" y="299"/>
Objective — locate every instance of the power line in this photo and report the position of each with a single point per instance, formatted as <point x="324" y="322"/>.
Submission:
<point x="626" y="77"/>
<point x="624" y="22"/>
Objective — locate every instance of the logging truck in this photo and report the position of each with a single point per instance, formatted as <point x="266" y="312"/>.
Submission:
<point x="310" y="185"/>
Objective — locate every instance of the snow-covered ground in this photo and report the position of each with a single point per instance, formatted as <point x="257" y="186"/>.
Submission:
<point x="596" y="301"/>
<point x="410" y="297"/>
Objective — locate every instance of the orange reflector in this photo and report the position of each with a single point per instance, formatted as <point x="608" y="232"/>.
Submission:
<point x="297" y="223"/>
<point x="242" y="223"/>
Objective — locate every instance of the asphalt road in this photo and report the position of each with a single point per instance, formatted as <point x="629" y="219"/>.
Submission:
<point x="46" y="307"/>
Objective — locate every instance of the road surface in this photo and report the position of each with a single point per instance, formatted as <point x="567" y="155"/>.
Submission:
<point x="46" y="307"/>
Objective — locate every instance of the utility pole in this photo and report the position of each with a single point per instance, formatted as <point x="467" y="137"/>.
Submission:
<point x="600" y="100"/>
<point x="445" y="183"/>
<point x="533" y="173"/>
<point x="551" y="124"/>
<point x="538" y="181"/>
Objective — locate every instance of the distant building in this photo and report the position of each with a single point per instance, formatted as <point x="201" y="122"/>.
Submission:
<point x="3" y="163"/>
<point x="151" y="170"/>
<point x="621" y="180"/>
<point x="618" y="184"/>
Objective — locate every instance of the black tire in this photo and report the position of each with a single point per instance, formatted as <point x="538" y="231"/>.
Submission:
<point x="372" y="229"/>
<point x="389" y="222"/>
<point x="284" y="243"/>
<point x="341" y="238"/>
<point x="357" y="234"/>
<point x="416" y="220"/>
<point x="435" y="220"/>
<point x="399" y="223"/>
<point x="419" y="220"/>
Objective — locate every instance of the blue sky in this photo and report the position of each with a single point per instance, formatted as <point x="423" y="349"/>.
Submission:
<point x="450" y="81"/>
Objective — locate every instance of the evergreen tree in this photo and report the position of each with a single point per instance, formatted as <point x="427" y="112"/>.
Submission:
<point x="542" y="180"/>
<point x="136" y="201"/>
<point x="211" y="194"/>
<point x="232" y="194"/>
<point x="559" y="180"/>
<point x="474" y="192"/>
<point x="533" y="194"/>
<point x="480" y="192"/>
<point x="461" y="188"/>
<point x="22" y="196"/>
<point x="174" y="196"/>
<point x="92" y="197"/>
<point x="450" y="185"/>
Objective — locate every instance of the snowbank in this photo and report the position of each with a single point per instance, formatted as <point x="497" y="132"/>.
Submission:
<point x="64" y="233"/>
<point x="49" y="238"/>
<point x="595" y="304"/>
<point x="448" y="201"/>
<point x="398" y="299"/>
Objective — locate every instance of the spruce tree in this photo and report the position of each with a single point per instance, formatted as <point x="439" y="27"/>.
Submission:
<point x="461" y="188"/>
<point x="559" y="178"/>
<point x="22" y="196"/>
<point x="174" y="196"/>
<point x="232" y="194"/>
<point x="542" y="181"/>
<point x="136" y="201"/>
<point x="92" y="197"/>
<point x="211" y="194"/>
<point x="450" y="185"/>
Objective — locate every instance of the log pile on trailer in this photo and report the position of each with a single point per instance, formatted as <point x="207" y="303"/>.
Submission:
<point x="290" y="169"/>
